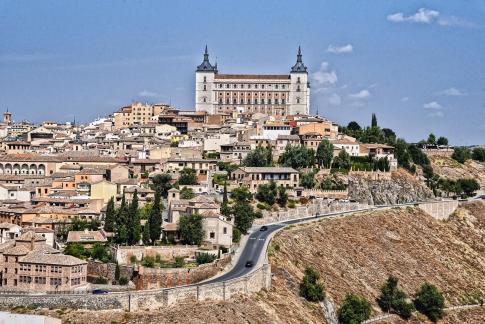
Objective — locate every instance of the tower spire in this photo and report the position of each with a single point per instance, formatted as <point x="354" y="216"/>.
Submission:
<point x="206" y="66"/>
<point x="299" y="66"/>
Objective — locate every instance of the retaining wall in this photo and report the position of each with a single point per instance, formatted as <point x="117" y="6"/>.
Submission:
<point x="439" y="210"/>
<point x="124" y="253"/>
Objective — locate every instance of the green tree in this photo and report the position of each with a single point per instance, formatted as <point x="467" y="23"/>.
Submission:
<point x="430" y="301"/>
<point x="402" y="155"/>
<point x="191" y="229"/>
<point x="468" y="186"/>
<point x="354" y="126"/>
<point x="267" y="193"/>
<point x="311" y="288"/>
<point x="241" y="195"/>
<point x="355" y="309"/>
<point x="121" y="234"/>
<point x="259" y="157"/>
<point x="146" y="234"/>
<point x="374" y="120"/>
<point x="225" y="209"/>
<point x="155" y="218"/>
<point x="307" y="180"/>
<point x="100" y="252"/>
<point x="76" y="250"/>
<point x="442" y="141"/>
<point x="117" y="272"/>
<point x="187" y="193"/>
<point x="282" y="196"/>
<point x="202" y="258"/>
<point x="392" y="299"/>
<point x="297" y="157"/>
<point x="162" y="183"/>
<point x="431" y="139"/>
<point x="244" y="216"/>
<point x="390" y="136"/>
<point x="324" y="154"/>
<point x="461" y="154"/>
<point x="110" y="219"/>
<point x="133" y="223"/>
<point x="478" y="154"/>
<point x="428" y="173"/>
<point x="188" y="177"/>
<point x="342" y="161"/>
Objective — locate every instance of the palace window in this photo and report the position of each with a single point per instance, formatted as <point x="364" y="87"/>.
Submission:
<point x="269" y="101"/>
<point x="205" y="87"/>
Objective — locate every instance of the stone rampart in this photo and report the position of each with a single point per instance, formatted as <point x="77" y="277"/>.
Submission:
<point x="151" y="278"/>
<point x="123" y="254"/>
<point x="107" y="270"/>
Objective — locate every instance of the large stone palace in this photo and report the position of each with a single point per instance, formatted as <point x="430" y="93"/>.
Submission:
<point x="277" y="95"/>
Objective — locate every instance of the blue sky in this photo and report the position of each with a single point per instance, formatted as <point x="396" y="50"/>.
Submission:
<point x="419" y="65"/>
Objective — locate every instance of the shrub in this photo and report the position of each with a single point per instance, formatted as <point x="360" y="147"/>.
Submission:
<point x="304" y="200"/>
<point x="461" y="154"/>
<point x="123" y="281"/>
<point x="179" y="262"/>
<point x="133" y="259"/>
<point x="100" y="281"/>
<point x="263" y="206"/>
<point x="202" y="258"/>
<point x="430" y="301"/>
<point x="236" y="235"/>
<point x="148" y="262"/>
<point x="392" y="299"/>
<point x="291" y="204"/>
<point x="310" y="287"/>
<point x="355" y="309"/>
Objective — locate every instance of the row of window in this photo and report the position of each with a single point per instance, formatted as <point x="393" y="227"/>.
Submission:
<point x="254" y="101"/>
<point x="249" y="86"/>
<point x="254" y="94"/>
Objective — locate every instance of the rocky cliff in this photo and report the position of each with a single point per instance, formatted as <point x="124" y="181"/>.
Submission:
<point x="400" y="187"/>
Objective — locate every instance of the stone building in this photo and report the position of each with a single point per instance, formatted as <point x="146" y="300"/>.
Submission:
<point x="278" y="95"/>
<point x="29" y="264"/>
<point x="252" y="177"/>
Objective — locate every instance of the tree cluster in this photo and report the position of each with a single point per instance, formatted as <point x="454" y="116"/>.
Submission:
<point x="393" y="299"/>
<point x="191" y="229"/>
<point x="355" y="309"/>
<point x="270" y="194"/>
<point x="311" y="288"/>
<point x="297" y="157"/>
<point x="242" y="210"/>
<point x="259" y="157"/>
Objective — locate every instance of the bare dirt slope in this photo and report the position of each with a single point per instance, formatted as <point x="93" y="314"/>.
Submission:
<point x="353" y="254"/>
<point x="451" y="169"/>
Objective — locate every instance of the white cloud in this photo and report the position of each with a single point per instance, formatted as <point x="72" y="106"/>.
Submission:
<point x="324" y="76"/>
<point x="340" y="49"/>
<point x="362" y="94"/>
<point x="436" y="114"/>
<point x="451" y="92"/>
<point x="432" y="105"/>
<point x="422" y="16"/>
<point x="148" y="94"/>
<point x="458" y="22"/>
<point x="334" y="99"/>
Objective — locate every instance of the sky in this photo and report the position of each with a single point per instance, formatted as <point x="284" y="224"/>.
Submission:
<point x="419" y="65"/>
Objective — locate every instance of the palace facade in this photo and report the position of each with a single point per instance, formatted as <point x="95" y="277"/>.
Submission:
<point x="278" y="95"/>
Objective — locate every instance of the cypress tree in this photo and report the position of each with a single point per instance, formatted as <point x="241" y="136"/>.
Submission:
<point x="133" y="223"/>
<point x="155" y="219"/>
<point x="121" y="223"/>
<point x="374" y="120"/>
<point x="109" y="221"/>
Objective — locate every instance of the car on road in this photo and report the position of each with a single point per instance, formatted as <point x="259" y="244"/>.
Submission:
<point x="99" y="291"/>
<point x="249" y="264"/>
<point x="263" y="228"/>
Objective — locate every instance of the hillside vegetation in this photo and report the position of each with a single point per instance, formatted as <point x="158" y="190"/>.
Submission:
<point x="451" y="169"/>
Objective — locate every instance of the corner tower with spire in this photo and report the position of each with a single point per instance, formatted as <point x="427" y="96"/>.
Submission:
<point x="246" y="94"/>
<point x="204" y="84"/>
<point x="300" y="86"/>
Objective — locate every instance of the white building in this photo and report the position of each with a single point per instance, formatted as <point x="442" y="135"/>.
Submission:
<point x="279" y="95"/>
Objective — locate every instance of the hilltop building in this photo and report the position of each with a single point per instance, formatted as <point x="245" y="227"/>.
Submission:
<point x="278" y="95"/>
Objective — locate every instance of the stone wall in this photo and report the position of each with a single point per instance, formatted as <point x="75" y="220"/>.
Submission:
<point x="440" y="209"/>
<point x="124" y="253"/>
<point x="107" y="270"/>
<point x="152" y="278"/>
<point x="318" y="207"/>
<point x="259" y="279"/>
<point x="335" y="194"/>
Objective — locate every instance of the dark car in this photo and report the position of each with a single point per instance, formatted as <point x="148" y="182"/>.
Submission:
<point x="99" y="291"/>
<point x="263" y="228"/>
<point x="249" y="264"/>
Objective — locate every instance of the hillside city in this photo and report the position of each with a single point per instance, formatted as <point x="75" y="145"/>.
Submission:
<point x="154" y="197"/>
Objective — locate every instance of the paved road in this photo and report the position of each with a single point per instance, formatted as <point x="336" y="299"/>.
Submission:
<point x="252" y="251"/>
